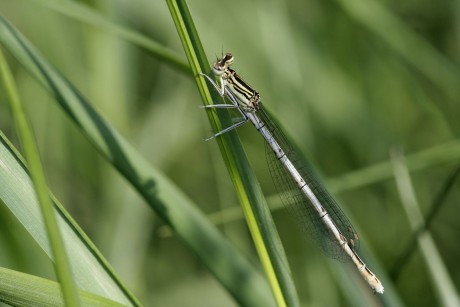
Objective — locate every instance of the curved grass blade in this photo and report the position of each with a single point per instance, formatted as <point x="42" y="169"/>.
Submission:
<point x="19" y="289"/>
<point x="232" y="269"/>
<point x="90" y="271"/>
<point x="412" y="47"/>
<point x="85" y="14"/>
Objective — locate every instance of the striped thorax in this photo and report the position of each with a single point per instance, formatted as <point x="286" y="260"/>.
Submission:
<point x="248" y="98"/>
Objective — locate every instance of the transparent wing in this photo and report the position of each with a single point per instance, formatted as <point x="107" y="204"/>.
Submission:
<point x="300" y="206"/>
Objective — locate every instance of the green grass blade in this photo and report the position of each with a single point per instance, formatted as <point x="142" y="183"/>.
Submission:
<point x="412" y="47"/>
<point x="422" y="159"/>
<point x="232" y="269"/>
<point x="91" y="271"/>
<point x="260" y="223"/>
<point x="440" y="277"/>
<point x="19" y="289"/>
<point x="437" y="203"/>
<point x="61" y="263"/>
<point x="85" y="14"/>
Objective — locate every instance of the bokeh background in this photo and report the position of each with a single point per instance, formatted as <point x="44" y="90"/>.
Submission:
<point x="349" y="80"/>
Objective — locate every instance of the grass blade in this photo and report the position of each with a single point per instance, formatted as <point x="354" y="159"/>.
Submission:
<point x="383" y="171"/>
<point x="441" y="279"/>
<point x="61" y="263"/>
<point x="257" y="215"/>
<point x="83" y="13"/>
<point x="19" y="289"/>
<point x="436" y="205"/>
<point x="413" y="48"/>
<point x="91" y="271"/>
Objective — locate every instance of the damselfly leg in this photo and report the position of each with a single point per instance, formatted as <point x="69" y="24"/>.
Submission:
<point x="225" y="93"/>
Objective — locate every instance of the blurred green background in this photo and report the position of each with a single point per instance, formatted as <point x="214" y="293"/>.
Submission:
<point x="348" y="80"/>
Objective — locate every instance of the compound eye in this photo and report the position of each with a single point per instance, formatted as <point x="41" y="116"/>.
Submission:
<point x="228" y="59"/>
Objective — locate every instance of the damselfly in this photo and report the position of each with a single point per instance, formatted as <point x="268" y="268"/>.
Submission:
<point x="302" y="193"/>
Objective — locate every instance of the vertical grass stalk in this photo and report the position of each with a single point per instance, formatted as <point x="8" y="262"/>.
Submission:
<point x="256" y="212"/>
<point x="441" y="279"/>
<point x="61" y="263"/>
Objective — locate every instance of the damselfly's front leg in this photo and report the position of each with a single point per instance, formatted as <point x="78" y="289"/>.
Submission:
<point x="220" y="89"/>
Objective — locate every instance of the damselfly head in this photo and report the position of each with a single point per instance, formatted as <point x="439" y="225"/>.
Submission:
<point x="228" y="59"/>
<point x="220" y="65"/>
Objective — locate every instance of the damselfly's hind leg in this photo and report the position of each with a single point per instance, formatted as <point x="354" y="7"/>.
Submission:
<point x="242" y="120"/>
<point x="219" y="106"/>
<point x="227" y="129"/>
